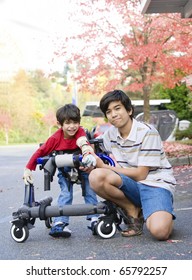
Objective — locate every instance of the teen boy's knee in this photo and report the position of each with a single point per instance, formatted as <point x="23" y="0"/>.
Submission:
<point x="95" y="179"/>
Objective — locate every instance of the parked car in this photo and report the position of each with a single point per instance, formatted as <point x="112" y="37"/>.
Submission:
<point x="165" y="121"/>
<point x="99" y="129"/>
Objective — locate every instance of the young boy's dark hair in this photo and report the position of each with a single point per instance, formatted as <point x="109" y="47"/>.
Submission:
<point x="68" y="112"/>
<point x="116" y="95"/>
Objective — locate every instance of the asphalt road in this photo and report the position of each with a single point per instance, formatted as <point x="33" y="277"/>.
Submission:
<point x="82" y="245"/>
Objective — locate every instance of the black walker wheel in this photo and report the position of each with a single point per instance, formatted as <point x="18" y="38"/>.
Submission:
<point x="106" y="229"/>
<point x="19" y="234"/>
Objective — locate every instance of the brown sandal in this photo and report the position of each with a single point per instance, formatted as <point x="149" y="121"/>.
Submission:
<point x="135" y="226"/>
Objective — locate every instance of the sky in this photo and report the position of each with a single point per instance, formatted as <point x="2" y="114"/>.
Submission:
<point x="28" y="31"/>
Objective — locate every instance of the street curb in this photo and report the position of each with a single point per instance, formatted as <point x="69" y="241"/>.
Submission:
<point x="179" y="161"/>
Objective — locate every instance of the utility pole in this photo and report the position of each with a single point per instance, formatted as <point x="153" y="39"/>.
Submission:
<point x="75" y="89"/>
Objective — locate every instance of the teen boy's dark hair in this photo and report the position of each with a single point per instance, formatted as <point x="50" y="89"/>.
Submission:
<point x="116" y="95"/>
<point x="68" y="112"/>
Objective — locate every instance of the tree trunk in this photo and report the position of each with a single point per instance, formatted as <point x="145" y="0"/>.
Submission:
<point x="146" y="106"/>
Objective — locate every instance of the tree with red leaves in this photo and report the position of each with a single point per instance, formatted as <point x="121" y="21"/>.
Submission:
<point x="50" y="120"/>
<point x="131" y="51"/>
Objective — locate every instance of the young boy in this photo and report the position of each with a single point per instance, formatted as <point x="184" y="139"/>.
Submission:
<point x="69" y="138"/>
<point x="142" y="178"/>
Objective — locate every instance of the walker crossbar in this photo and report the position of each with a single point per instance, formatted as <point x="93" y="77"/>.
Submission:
<point x="24" y="218"/>
<point x="44" y="210"/>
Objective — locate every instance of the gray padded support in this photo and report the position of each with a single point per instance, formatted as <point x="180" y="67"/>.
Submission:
<point x="64" y="160"/>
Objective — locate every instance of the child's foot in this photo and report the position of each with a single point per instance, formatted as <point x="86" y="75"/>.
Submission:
<point x="60" y="230"/>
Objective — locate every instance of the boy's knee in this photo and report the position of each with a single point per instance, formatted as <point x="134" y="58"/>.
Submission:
<point x="95" y="179"/>
<point x="160" y="228"/>
<point x="92" y="175"/>
<point x="160" y="233"/>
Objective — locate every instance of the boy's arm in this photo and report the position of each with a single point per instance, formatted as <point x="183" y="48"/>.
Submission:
<point x="87" y="152"/>
<point x="84" y="145"/>
<point x="136" y="173"/>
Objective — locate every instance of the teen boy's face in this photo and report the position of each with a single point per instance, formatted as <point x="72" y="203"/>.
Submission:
<point x="117" y="115"/>
<point x="70" y="127"/>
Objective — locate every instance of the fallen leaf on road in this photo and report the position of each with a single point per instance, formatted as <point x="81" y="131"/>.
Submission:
<point x="174" y="241"/>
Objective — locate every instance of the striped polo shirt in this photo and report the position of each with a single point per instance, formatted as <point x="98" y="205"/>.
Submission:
<point x="142" y="147"/>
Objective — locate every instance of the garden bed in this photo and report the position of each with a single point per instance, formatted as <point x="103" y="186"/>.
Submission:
<point x="177" y="149"/>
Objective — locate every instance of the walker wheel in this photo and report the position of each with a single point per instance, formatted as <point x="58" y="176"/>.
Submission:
<point x="19" y="234"/>
<point x="48" y="222"/>
<point x="106" y="229"/>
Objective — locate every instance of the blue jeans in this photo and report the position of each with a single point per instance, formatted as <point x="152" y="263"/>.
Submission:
<point x="66" y="195"/>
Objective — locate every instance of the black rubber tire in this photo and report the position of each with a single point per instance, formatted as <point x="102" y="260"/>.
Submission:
<point x="19" y="234"/>
<point x="106" y="230"/>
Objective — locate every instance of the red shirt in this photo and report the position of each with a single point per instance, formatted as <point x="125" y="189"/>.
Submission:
<point x="55" y="142"/>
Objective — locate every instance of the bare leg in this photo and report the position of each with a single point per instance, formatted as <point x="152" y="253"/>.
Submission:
<point x="105" y="183"/>
<point x="160" y="225"/>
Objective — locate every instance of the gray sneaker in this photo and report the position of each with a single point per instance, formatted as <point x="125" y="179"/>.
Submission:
<point x="60" y="230"/>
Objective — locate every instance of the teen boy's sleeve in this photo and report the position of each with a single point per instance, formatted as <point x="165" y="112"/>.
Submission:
<point x="151" y="150"/>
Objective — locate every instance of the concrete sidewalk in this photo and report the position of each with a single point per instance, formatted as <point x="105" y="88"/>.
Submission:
<point x="178" y="161"/>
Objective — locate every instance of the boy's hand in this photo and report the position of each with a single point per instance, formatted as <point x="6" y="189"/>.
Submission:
<point x="89" y="160"/>
<point x="27" y="176"/>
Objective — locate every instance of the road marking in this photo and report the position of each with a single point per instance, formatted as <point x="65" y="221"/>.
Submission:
<point x="183" y="209"/>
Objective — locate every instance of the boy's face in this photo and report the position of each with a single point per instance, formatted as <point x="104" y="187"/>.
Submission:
<point x="70" y="127"/>
<point x="117" y="115"/>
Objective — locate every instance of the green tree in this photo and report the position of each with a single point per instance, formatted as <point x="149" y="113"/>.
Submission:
<point x="26" y="99"/>
<point x="180" y="100"/>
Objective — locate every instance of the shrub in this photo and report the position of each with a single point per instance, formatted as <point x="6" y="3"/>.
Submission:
<point x="182" y="134"/>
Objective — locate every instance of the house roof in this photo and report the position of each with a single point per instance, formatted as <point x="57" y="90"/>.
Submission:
<point x="184" y="7"/>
